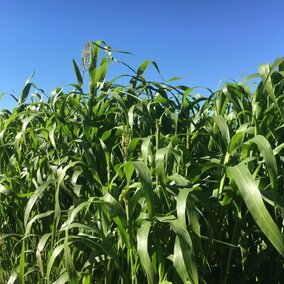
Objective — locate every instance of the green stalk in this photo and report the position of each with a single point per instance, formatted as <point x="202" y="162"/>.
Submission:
<point x="158" y="134"/>
<point x="187" y="146"/>
<point x="230" y="253"/>
<point x="129" y="222"/>
<point x="157" y="145"/>
<point x="222" y="182"/>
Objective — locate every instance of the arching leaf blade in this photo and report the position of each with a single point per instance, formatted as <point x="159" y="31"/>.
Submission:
<point x="142" y="248"/>
<point x="254" y="202"/>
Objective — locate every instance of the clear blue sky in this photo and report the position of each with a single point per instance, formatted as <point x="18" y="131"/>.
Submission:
<point x="207" y="40"/>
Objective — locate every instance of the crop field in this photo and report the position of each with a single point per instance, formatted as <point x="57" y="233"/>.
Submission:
<point x="143" y="182"/>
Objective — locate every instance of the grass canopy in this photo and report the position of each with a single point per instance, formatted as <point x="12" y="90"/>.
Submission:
<point x="143" y="182"/>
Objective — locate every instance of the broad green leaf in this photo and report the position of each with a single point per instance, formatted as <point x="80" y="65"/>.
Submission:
<point x="36" y="195"/>
<point x="178" y="261"/>
<point x="74" y="212"/>
<point x="69" y="262"/>
<point x="35" y="218"/>
<point x="119" y="99"/>
<point x="147" y="186"/>
<point x="102" y="71"/>
<point x="144" y="66"/>
<point x="51" y="135"/>
<point x="128" y="169"/>
<point x="56" y="251"/>
<point x="278" y="149"/>
<point x="78" y="73"/>
<point x="268" y="156"/>
<point x="184" y="259"/>
<point x="222" y="125"/>
<point x="160" y="161"/>
<point x="181" y="205"/>
<point x="274" y="199"/>
<point x="26" y="90"/>
<point x="114" y="207"/>
<point x="64" y="278"/>
<point x="22" y="263"/>
<point x="265" y="73"/>
<point x="118" y="215"/>
<point x="145" y="148"/>
<point x="94" y="54"/>
<point x="107" y="157"/>
<point x="178" y="179"/>
<point x="253" y="200"/>
<point x="131" y="116"/>
<point x="142" y="249"/>
<point x="235" y="142"/>
<point x="42" y="242"/>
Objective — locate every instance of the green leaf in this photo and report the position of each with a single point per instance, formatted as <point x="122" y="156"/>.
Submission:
<point x="36" y="195"/>
<point x="4" y="190"/>
<point x="51" y="260"/>
<point x="22" y="262"/>
<point x="174" y="79"/>
<point x="265" y="73"/>
<point x="13" y="277"/>
<point x="64" y="278"/>
<point x="35" y="218"/>
<point x="119" y="99"/>
<point x="114" y="207"/>
<point x="184" y="259"/>
<point x="222" y="125"/>
<point x="253" y="200"/>
<point x="147" y="187"/>
<point x="128" y="170"/>
<point x="69" y="262"/>
<point x="94" y="54"/>
<point x="144" y="66"/>
<point x="178" y="179"/>
<point x="142" y="249"/>
<point x="181" y="205"/>
<point x="235" y="142"/>
<point x="268" y="156"/>
<point x="78" y="73"/>
<point x="178" y="261"/>
<point x="51" y="136"/>
<point x="102" y="71"/>
<point x="278" y="149"/>
<point x="145" y="148"/>
<point x="160" y="163"/>
<point x="42" y="242"/>
<point x="26" y="90"/>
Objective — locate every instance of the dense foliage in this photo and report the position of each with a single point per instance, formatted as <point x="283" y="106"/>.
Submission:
<point x="143" y="182"/>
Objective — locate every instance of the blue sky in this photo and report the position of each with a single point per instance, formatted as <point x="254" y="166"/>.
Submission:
<point x="206" y="41"/>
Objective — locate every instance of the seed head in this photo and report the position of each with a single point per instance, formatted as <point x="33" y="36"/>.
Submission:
<point x="86" y="55"/>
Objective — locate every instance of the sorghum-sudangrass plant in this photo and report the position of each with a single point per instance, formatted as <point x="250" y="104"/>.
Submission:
<point x="143" y="182"/>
